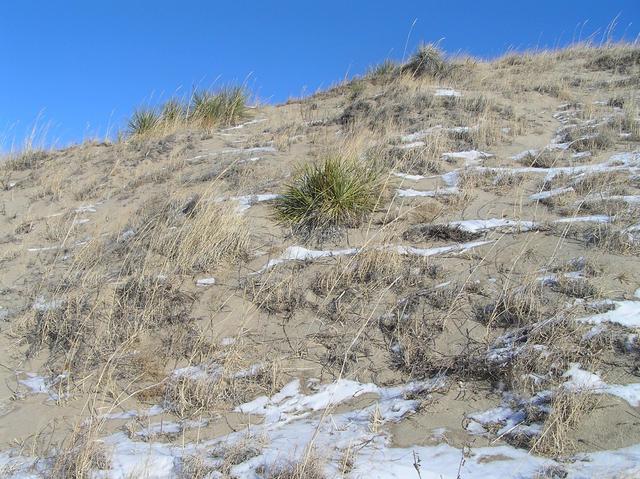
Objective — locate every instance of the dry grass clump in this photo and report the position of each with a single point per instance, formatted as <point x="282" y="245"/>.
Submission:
<point x="80" y="455"/>
<point x="613" y="207"/>
<point x="366" y="271"/>
<point x="196" y="390"/>
<point x="575" y="287"/>
<point x="584" y="265"/>
<point x="63" y="325"/>
<point x="338" y="192"/>
<point x="444" y="232"/>
<point x="619" y="58"/>
<point x="534" y="358"/>
<point x="495" y="181"/>
<point x="612" y="239"/>
<point x="28" y="159"/>
<point x="419" y="160"/>
<point x="612" y="182"/>
<point x="567" y="409"/>
<point x="382" y="71"/>
<point x="195" y="467"/>
<point x="516" y="306"/>
<point x="541" y="159"/>
<point x="147" y="303"/>
<point x="278" y="291"/>
<point x="428" y="60"/>
<point x="236" y="453"/>
<point x="308" y="467"/>
<point x="209" y="234"/>
<point x="414" y="325"/>
<point x="591" y="138"/>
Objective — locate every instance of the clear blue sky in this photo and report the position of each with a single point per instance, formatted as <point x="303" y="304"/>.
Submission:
<point x="87" y="64"/>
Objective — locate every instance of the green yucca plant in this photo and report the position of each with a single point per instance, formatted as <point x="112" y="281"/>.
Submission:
<point x="143" y="121"/>
<point x="428" y="60"/>
<point x="337" y="192"/>
<point x="224" y="108"/>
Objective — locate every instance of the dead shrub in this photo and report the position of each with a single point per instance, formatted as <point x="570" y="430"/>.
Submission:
<point x="423" y="232"/>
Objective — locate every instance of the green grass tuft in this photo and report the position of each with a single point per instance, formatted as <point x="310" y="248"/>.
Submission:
<point x="224" y="108"/>
<point x="338" y="192"/>
<point x="144" y="121"/>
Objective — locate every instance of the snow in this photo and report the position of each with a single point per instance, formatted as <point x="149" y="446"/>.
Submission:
<point x="462" y="247"/>
<point x="294" y="420"/>
<point x="410" y="193"/>
<point x="585" y="219"/>
<point x="169" y="427"/>
<point x="43" y="248"/>
<point x="524" y="154"/>
<point x="471" y="158"/>
<point x="409" y="177"/>
<point x="447" y="92"/>
<point x="626" y="198"/>
<point x="41" y="385"/>
<point x="581" y="380"/>
<point x="414" y="144"/>
<point x="247" y="201"/>
<point x="511" y="415"/>
<point x="618" y="162"/>
<point x="133" y="413"/>
<point x="549" y="193"/>
<point x="419" y="135"/>
<point x="625" y="313"/>
<point x="86" y="209"/>
<point x="42" y="304"/>
<point x="242" y="125"/>
<point x="581" y="155"/>
<point x="300" y="253"/>
<point x="477" y="226"/>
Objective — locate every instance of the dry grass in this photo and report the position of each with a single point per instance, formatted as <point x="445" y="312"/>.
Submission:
<point x="219" y="385"/>
<point x="279" y="290"/>
<point x="123" y="308"/>
<point x="80" y="455"/>
<point x="209" y="234"/>
<point x="443" y="232"/>
<point x="567" y="409"/>
<point x="308" y="467"/>
<point x="515" y="306"/>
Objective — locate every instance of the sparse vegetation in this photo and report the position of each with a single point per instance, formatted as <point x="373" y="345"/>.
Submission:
<point x="149" y="298"/>
<point x="207" y="110"/>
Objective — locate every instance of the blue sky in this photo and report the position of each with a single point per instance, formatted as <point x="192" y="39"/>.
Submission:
<point x="81" y="67"/>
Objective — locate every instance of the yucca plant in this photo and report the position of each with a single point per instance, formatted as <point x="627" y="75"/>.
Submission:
<point x="143" y="122"/>
<point x="428" y="60"/>
<point x="337" y="192"/>
<point x="224" y="108"/>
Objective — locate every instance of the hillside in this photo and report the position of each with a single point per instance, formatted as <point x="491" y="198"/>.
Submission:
<point x="429" y="271"/>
